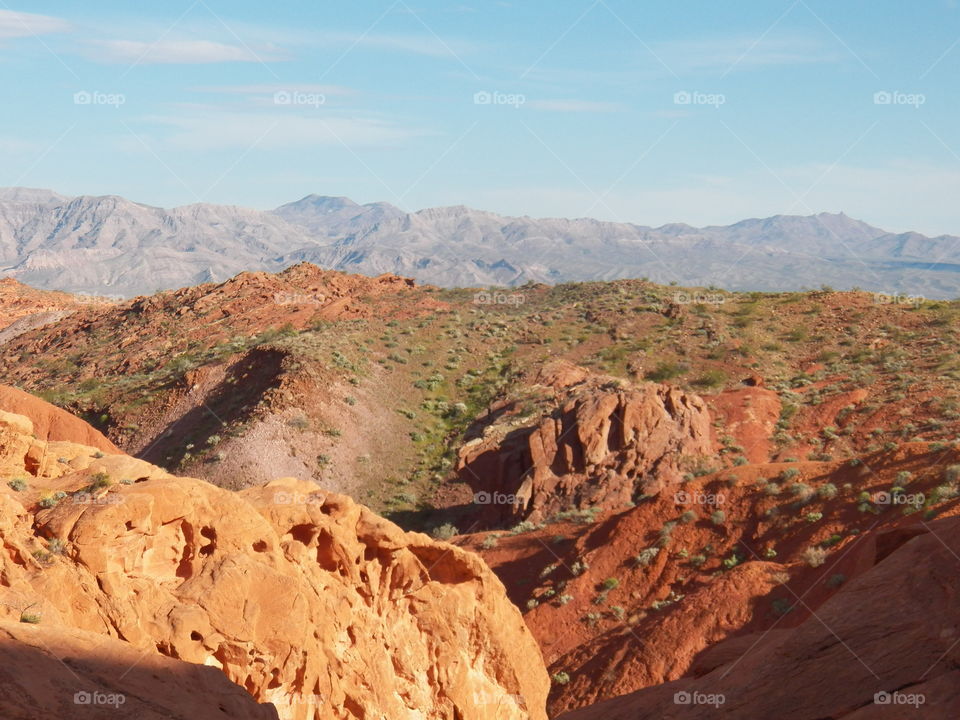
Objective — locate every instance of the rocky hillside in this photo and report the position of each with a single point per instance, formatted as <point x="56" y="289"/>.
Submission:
<point x="308" y="603"/>
<point x="114" y="246"/>
<point x="673" y="485"/>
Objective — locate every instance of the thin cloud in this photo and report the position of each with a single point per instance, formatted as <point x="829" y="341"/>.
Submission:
<point x="744" y="52"/>
<point x="18" y="24"/>
<point x="428" y="45"/>
<point x="202" y="129"/>
<point x="575" y="106"/>
<point x="182" y="52"/>
<point x="270" y="89"/>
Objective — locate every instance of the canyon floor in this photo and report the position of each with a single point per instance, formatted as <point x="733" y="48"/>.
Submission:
<point x="315" y="495"/>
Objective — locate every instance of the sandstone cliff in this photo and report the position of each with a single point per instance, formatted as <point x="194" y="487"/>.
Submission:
<point x="305" y="599"/>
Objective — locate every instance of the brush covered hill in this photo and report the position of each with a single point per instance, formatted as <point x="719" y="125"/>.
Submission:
<point x="665" y="479"/>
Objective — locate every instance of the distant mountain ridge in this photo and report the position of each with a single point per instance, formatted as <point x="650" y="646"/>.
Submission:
<point x="112" y="246"/>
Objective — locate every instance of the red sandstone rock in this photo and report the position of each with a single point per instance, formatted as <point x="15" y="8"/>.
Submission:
<point x="52" y="423"/>
<point x="889" y="634"/>
<point x="603" y="444"/>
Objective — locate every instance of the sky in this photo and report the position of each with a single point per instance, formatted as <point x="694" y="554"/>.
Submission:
<point x="629" y="110"/>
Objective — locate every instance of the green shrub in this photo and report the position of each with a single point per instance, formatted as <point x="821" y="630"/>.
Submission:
<point x="827" y="491"/>
<point x="560" y="678"/>
<point x="444" y="532"/>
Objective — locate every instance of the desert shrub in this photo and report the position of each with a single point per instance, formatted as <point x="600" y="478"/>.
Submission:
<point x="560" y="678"/>
<point x="610" y="583"/>
<point x="718" y="517"/>
<point x="814" y="556"/>
<point x="665" y="533"/>
<point x="646" y="556"/>
<point x="17" y="484"/>
<point x="732" y="561"/>
<point x="831" y="541"/>
<point x="827" y="491"/>
<point x="99" y="480"/>
<point x="711" y="380"/>
<point x="444" y="532"/>
<point x="665" y="371"/>
<point x="300" y="422"/>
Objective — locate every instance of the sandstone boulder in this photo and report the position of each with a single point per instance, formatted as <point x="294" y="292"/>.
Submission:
<point x="304" y="599"/>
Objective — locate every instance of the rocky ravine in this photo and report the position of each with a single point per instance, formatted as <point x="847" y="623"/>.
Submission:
<point x="305" y="599"/>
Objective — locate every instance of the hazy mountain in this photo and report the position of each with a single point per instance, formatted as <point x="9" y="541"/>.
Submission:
<point x="110" y="245"/>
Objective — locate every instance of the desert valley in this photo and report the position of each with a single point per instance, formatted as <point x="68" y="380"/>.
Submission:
<point x="317" y="495"/>
<point x="435" y="360"/>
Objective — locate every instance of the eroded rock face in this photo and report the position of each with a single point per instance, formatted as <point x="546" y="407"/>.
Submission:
<point x="304" y="599"/>
<point x="604" y="443"/>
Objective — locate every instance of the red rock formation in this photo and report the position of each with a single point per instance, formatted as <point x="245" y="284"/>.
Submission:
<point x="303" y="598"/>
<point x="50" y="422"/>
<point x="67" y="673"/>
<point x="886" y="646"/>
<point x="604" y="443"/>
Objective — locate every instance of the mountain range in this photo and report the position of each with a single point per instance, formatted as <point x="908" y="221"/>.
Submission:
<point x="108" y="245"/>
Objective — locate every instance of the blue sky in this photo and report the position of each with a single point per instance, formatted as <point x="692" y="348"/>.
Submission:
<point x="647" y="112"/>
